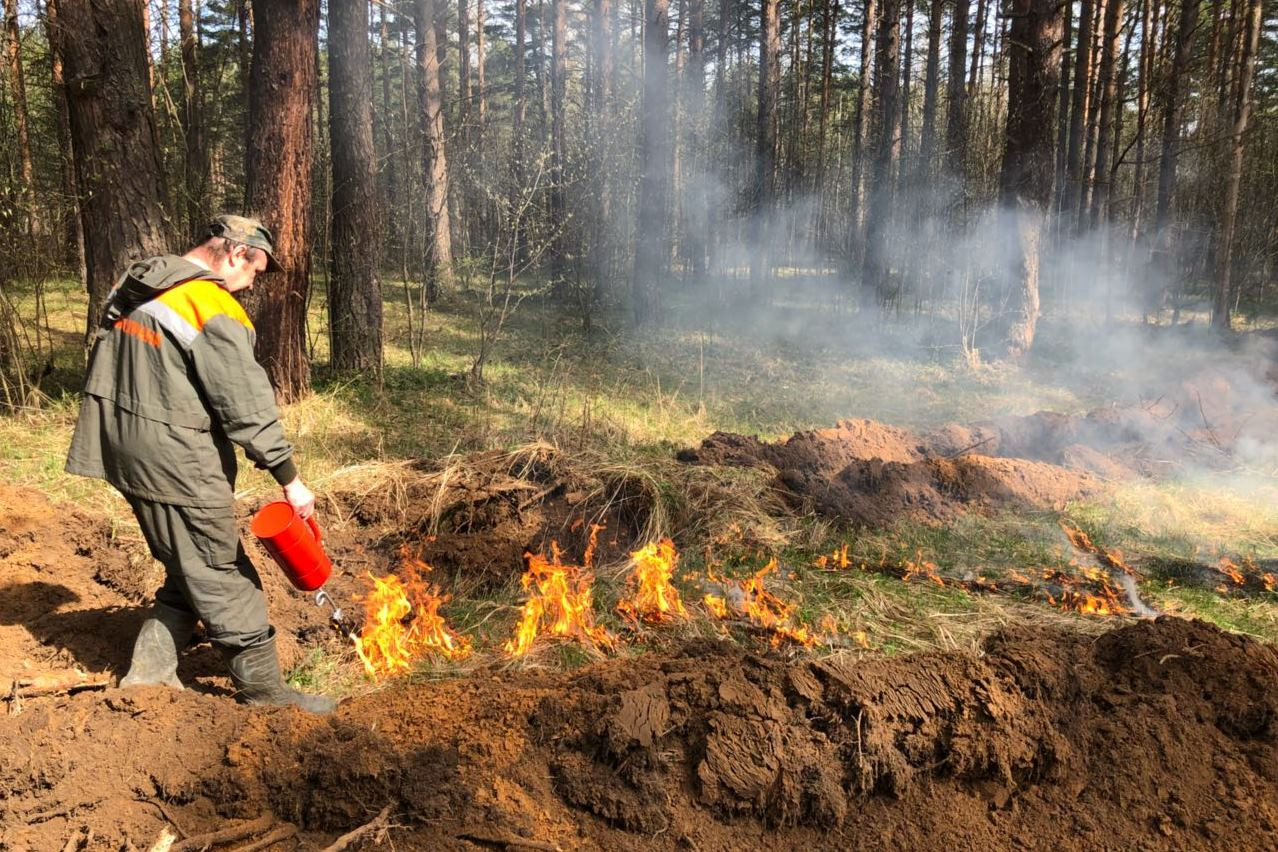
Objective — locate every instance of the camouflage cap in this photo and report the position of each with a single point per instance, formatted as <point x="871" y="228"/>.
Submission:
<point x="250" y="232"/>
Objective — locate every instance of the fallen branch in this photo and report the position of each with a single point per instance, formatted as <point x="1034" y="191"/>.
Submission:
<point x="375" y="824"/>
<point x="226" y="835"/>
<point x="280" y="834"/>
<point x="969" y="449"/>
<point x="54" y="683"/>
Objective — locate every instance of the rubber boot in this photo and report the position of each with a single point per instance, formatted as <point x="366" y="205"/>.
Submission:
<point x="258" y="680"/>
<point x="155" y="652"/>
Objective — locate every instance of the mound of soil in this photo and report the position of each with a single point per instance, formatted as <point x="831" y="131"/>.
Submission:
<point x="873" y="474"/>
<point x="1156" y="734"/>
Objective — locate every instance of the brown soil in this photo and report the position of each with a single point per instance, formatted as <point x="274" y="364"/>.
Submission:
<point x="873" y="473"/>
<point x="1157" y="735"/>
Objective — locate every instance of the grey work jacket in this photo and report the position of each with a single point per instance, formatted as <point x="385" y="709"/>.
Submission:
<point x="172" y="386"/>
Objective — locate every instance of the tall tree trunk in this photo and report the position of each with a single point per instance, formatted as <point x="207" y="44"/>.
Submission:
<point x="520" y="108"/>
<point x="875" y="270"/>
<point x="113" y="140"/>
<point x="978" y="43"/>
<point x="600" y="113"/>
<point x="18" y="91"/>
<point x="439" y="260"/>
<point x="1108" y="107"/>
<point x="860" y="137"/>
<point x="1026" y="179"/>
<point x="931" y="83"/>
<point x="69" y="209"/>
<point x="1092" y="129"/>
<point x="463" y="68"/>
<point x="829" y="30"/>
<point x="1137" y="203"/>
<point x="765" y="154"/>
<point x="1173" y="114"/>
<point x="655" y="161"/>
<point x="355" y="289"/>
<point x="1062" y="112"/>
<point x="697" y="203"/>
<point x="1229" y="214"/>
<point x="955" y="119"/>
<point x="1078" y="110"/>
<point x="481" y="101"/>
<point x="280" y="156"/>
<point x="558" y="136"/>
<point x="192" y="117"/>
<point x="390" y="194"/>
<point x="907" y="79"/>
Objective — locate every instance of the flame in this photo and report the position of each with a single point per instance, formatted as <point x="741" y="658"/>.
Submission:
<point x="922" y="568"/>
<point x="749" y="597"/>
<point x="1230" y="569"/>
<point x="559" y="603"/>
<point x="402" y="622"/>
<point x="652" y="598"/>
<point x="837" y="559"/>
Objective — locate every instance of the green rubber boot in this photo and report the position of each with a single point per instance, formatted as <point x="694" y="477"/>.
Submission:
<point x="258" y="680"/>
<point x="155" y="652"/>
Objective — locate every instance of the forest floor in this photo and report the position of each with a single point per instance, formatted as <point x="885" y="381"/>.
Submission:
<point x="1002" y="524"/>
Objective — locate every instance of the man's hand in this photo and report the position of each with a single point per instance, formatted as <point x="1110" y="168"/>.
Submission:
<point x="300" y="497"/>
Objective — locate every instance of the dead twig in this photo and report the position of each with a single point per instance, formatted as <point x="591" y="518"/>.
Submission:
<point x="278" y="835"/>
<point x="226" y="835"/>
<point x="375" y="824"/>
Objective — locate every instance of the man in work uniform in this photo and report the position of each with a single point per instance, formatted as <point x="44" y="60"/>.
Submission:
<point x="172" y="387"/>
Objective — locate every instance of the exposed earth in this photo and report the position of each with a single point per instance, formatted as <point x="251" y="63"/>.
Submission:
<point x="1157" y="734"/>
<point x="870" y="473"/>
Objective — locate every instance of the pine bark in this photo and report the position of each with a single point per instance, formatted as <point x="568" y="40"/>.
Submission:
<point x="875" y="269"/>
<point x="113" y="140"/>
<point x="1082" y="82"/>
<point x="558" y="133"/>
<point x="18" y="92"/>
<point x="955" y="119"/>
<point x="1237" y="145"/>
<point x="860" y="136"/>
<point x="354" y="295"/>
<point x="193" y="121"/>
<point x="931" y="85"/>
<point x="1034" y="54"/>
<point x="69" y="209"/>
<point x="765" y="155"/>
<point x="697" y="210"/>
<point x="282" y="83"/>
<point x="439" y="259"/>
<point x="463" y="67"/>
<point x="1108" y="85"/>
<point x="1173" y="116"/>
<point x="651" y="244"/>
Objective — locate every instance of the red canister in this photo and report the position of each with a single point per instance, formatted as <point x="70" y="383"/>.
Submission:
<point x="294" y="543"/>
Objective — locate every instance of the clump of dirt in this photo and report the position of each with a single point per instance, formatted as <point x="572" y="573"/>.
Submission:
<point x="473" y="517"/>
<point x="1159" y="732"/>
<point x="873" y="474"/>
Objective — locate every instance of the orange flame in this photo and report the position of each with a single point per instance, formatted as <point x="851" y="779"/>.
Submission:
<point x="559" y="604"/>
<point x="652" y="598"/>
<point x="749" y="597"/>
<point x="402" y="622"/>
<point x="1230" y="569"/>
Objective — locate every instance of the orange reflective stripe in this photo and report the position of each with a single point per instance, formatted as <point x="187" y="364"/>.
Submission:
<point x="141" y="332"/>
<point x="199" y="301"/>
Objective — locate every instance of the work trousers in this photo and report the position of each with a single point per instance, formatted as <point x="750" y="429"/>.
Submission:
<point x="206" y="570"/>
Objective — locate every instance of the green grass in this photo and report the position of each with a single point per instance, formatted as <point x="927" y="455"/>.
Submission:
<point x="631" y="398"/>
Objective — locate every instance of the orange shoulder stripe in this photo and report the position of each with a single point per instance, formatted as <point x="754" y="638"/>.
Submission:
<point x="199" y="301"/>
